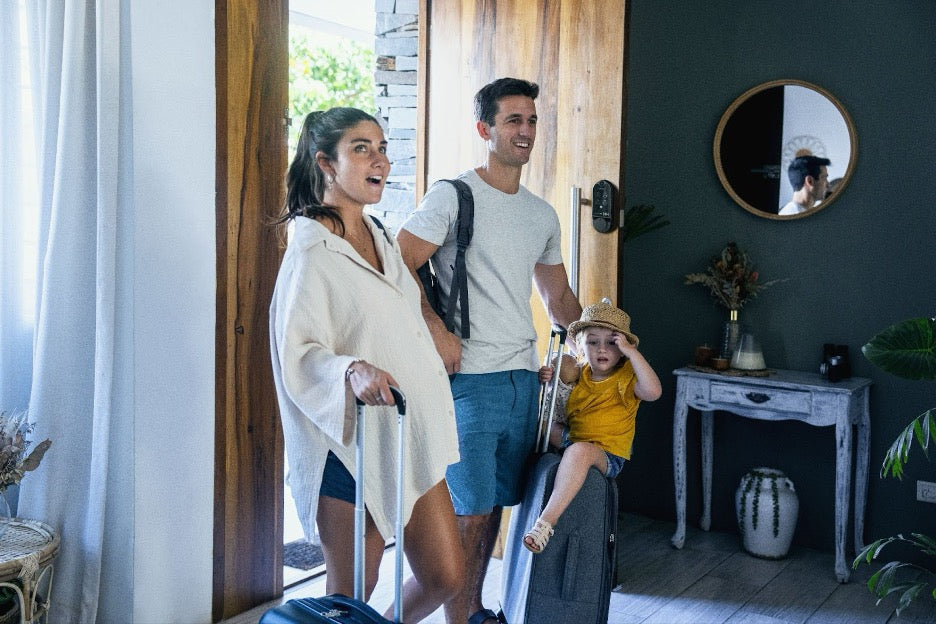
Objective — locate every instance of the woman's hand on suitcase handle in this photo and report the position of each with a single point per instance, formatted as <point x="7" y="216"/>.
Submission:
<point x="371" y="384"/>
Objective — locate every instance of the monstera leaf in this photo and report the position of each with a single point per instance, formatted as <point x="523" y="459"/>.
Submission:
<point x="906" y="349"/>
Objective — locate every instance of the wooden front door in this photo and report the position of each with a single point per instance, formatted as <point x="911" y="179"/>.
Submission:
<point x="576" y="52"/>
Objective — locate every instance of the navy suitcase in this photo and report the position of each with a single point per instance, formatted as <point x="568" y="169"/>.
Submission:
<point x="337" y="608"/>
<point x="332" y="608"/>
<point x="570" y="581"/>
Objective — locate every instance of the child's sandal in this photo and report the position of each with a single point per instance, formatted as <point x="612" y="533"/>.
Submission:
<point x="536" y="538"/>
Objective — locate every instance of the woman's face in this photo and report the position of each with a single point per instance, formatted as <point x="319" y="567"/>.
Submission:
<point x="361" y="167"/>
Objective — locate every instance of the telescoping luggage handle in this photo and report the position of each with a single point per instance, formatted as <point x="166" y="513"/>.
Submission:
<point x="360" y="514"/>
<point x="547" y="409"/>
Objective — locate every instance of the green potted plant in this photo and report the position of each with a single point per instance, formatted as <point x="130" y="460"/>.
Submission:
<point x="639" y="219"/>
<point x="906" y="349"/>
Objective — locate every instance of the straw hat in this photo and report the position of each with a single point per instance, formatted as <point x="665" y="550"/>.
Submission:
<point x="604" y="315"/>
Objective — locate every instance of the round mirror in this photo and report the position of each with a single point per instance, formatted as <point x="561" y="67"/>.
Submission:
<point x="776" y="125"/>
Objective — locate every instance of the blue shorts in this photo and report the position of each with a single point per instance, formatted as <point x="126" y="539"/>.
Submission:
<point x="337" y="481"/>
<point x="615" y="462"/>
<point x="496" y="415"/>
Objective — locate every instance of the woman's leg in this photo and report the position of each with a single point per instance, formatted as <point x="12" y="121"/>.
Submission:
<point x="434" y="550"/>
<point x="573" y="468"/>
<point x="335" y="521"/>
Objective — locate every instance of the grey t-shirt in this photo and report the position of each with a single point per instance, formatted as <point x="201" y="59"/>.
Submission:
<point x="512" y="233"/>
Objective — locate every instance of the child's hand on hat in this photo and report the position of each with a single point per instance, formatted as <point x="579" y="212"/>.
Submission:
<point x="624" y="345"/>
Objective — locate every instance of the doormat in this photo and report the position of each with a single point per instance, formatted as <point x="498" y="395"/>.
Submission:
<point x="303" y="555"/>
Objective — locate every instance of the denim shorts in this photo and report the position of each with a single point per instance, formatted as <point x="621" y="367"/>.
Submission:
<point x="495" y="414"/>
<point x="337" y="481"/>
<point x="615" y="462"/>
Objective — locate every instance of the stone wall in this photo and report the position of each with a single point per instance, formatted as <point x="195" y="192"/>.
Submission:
<point x="396" y="45"/>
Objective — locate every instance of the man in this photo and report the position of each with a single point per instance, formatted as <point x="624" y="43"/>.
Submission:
<point x="809" y="177"/>
<point x="515" y="245"/>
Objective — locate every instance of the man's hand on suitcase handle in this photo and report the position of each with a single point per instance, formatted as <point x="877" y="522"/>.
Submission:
<point x="371" y="385"/>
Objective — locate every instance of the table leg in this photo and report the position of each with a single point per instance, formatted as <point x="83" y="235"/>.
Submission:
<point x="679" y="462"/>
<point x="707" y="454"/>
<point x="861" y="468"/>
<point x="843" y="473"/>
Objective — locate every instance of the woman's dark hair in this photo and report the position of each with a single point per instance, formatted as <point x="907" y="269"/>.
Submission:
<point x="305" y="180"/>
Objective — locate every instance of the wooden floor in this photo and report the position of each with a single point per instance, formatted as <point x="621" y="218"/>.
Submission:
<point x="711" y="580"/>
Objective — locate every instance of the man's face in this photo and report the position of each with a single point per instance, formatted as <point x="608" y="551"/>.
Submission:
<point x="511" y="138"/>
<point x="822" y="183"/>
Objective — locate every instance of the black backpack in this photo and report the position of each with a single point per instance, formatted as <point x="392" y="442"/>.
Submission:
<point x="459" y="291"/>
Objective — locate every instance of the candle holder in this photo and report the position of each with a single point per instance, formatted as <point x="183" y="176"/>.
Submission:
<point x="748" y="355"/>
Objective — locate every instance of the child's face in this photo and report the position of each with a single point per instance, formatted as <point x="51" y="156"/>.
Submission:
<point x="601" y="351"/>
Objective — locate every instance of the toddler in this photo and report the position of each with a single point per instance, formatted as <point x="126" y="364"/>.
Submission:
<point x="607" y="385"/>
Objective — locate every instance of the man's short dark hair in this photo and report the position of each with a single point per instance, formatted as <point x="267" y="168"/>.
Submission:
<point x="803" y="166"/>
<point x="486" y="99"/>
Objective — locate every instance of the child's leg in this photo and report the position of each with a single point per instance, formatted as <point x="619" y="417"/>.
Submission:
<point x="573" y="468"/>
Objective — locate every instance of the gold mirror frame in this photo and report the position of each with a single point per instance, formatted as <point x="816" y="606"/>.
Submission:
<point x="777" y="170"/>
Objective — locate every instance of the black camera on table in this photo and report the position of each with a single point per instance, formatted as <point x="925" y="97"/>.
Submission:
<point x="835" y="365"/>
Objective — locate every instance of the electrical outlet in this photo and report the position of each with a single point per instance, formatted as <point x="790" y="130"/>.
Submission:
<point x="926" y="491"/>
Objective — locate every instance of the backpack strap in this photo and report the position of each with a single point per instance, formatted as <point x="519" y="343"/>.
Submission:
<point x="382" y="228"/>
<point x="464" y="228"/>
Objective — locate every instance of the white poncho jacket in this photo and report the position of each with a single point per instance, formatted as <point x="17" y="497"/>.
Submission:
<point x="330" y="307"/>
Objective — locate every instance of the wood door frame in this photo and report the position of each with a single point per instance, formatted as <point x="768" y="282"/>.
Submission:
<point x="251" y="52"/>
<point x="251" y="55"/>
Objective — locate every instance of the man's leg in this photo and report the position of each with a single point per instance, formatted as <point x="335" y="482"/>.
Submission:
<point x="479" y="414"/>
<point x="478" y="533"/>
<point x="496" y="418"/>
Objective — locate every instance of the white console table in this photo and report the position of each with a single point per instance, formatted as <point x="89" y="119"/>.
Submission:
<point x="783" y="395"/>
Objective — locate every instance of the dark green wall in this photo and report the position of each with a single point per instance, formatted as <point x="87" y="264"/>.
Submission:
<point x="864" y="262"/>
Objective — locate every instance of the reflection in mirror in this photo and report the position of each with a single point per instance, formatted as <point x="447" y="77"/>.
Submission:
<point x="765" y="129"/>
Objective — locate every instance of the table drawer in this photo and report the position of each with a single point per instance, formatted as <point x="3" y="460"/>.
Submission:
<point x="773" y="399"/>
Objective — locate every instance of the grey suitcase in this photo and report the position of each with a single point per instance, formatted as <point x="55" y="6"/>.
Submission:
<point x="570" y="581"/>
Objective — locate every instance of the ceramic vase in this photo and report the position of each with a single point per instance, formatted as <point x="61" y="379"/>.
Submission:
<point x="767" y="508"/>
<point x="731" y="335"/>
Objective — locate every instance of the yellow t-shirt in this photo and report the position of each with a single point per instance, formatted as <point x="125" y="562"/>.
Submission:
<point x="604" y="412"/>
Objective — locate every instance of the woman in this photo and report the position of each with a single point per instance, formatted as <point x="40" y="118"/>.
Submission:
<point x="345" y="322"/>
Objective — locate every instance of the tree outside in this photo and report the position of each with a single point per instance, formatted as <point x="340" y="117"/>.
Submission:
<point x="323" y="76"/>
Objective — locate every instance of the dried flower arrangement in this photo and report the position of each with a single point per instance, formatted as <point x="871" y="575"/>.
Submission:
<point x="731" y="278"/>
<point x="15" y="457"/>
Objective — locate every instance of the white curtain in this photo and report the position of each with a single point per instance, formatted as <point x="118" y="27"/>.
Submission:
<point x="17" y="220"/>
<point x="76" y="394"/>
